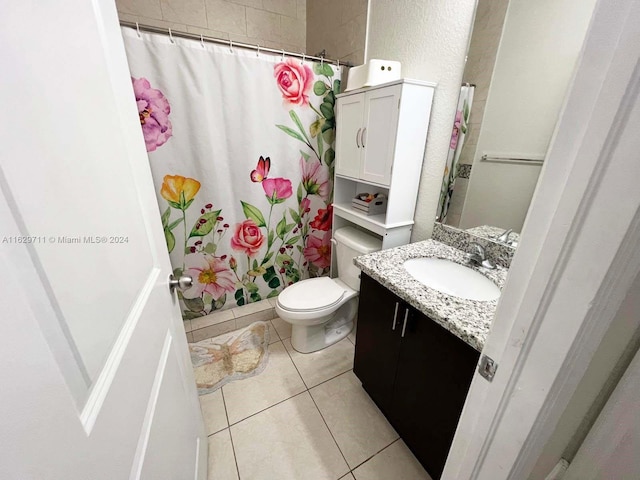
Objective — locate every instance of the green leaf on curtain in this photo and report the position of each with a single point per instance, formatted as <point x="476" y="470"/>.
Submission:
<point x="210" y="248"/>
<point x="219" y="303"/>
<point x="274" y="282"/>
<point x="305" y="155"/>
<point x="329" y="157"/>
<point x="330" y="97"/>
<point x="294" y="216"/>
<point x="194" y="304"/>
<point x="316" y="127"/>
<point x="267" y="257"/>
<point x="465" y="111"/>
<point x="299" y="193"/>
<point x="317" y="68"/>
<point x="319" y="87"/>
<point x="204" y="227"/>
<point x="281" y="228"/>
<point x="255" y="297"/>
<point x="239" y="296"/>
<point x="269" y="274"/>
<point x="320" y="146"/>
<point x="274" y="293"/>
<point x="336" y="87"/>
<point x="296" y="120"/>
<point x="291" y="132"/>
<point x="174" y="224"/>
<point x="255" y="264"/>
<point x="327" y="110"/>
<point x="463" y="129"/>
<point x="270" y="238"/>
<point x="329" y="136"/>
<point x="299" y="247"/>
<point x="252" y="287"/>
<point x="327" y="70"/>
<point x="293" y="240"/>
<point x="170" y="239"/>
<point x="165" y="217"/>
<point x="188" y="315"/>
<point x="253" y="213"/>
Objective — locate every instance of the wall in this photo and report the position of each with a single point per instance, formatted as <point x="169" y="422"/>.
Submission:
<point x="339" y="27"/>
<point x="430" y="38"/>
<point x="609" y="362"/>
<point x="536" y="58"/>
<point x="481" y="58"/>
<point x="270" y="23"/>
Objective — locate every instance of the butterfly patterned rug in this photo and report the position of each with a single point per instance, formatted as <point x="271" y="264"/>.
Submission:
<point x="232" y="356"/>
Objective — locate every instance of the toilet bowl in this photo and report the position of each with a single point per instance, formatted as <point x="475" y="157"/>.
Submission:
<point x="322" y="310"/>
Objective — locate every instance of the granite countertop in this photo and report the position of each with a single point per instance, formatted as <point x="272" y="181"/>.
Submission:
<point x="492" y="233"/>
<point x="469" y="320"/>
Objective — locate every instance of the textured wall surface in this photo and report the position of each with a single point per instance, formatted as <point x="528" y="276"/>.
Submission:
<point x="269" y="23"/>
<point x="430" y="38"/>
<point x="339" y="27"/>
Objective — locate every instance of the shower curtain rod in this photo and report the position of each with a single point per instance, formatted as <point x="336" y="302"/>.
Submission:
<point x="203" y="38"/>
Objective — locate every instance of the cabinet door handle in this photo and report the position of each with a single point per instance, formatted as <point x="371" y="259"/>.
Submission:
<point x="357" y="137"/>
<point x="404" y="325"/>
<point x="395" y="315"/>
<point x="364" y="130"/>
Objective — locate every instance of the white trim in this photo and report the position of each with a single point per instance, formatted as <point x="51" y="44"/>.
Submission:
<point x="575" y="262"/>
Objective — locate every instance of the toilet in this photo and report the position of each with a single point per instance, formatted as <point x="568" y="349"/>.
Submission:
<point x="322" y="310"/>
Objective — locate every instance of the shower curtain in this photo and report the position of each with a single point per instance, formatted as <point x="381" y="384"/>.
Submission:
<point x="456" y="144"/>
<point x="240" y="145"/>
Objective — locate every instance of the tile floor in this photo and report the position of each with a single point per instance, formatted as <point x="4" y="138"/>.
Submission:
<point x="305" y="417"/>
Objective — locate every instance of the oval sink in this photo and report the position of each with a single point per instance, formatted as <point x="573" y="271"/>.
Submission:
<point x="452" y="278"/>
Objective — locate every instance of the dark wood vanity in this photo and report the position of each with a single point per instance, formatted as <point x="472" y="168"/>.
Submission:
<point x="417" y="372"/>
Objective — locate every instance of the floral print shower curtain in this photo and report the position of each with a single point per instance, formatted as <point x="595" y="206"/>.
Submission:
<point x="241" y="148"/>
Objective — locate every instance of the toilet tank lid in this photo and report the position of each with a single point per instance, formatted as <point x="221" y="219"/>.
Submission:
<point x="357" y="239"/>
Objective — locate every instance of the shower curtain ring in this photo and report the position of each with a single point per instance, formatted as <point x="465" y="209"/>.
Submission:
<point x="202" y="40"/>
<point x="258" y="50"/>
<point x="231" y="45"/>
<point x="303" y="58"/>
<point x="138" y="30"/>
<point x="338" y="64"/>
<point x="171" y="36"/>
<point x="283" y="54"/>
<point x="321" y="61"/>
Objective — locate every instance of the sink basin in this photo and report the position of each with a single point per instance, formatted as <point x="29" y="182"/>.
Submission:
<point x="452" y="278"/>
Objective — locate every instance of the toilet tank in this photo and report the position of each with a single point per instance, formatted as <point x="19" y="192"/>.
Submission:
<point x="350" y="243"/>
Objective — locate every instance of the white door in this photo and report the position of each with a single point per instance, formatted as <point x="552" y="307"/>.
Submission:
<point x="350" y="118"/>
<point x="96" y="377"/>
<point x="379" y="134"/>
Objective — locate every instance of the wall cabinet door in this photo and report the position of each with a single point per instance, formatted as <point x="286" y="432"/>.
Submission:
<point x="349" y="129"/>
<point x="432" y="379"/>
<point x="377" y="340"/>
<point x="378" y="137"/>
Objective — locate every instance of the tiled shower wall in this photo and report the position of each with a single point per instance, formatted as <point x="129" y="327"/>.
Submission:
<point x="277" y="24"/>
<point x="481" y="59"/>
<point x="337" y="26"/>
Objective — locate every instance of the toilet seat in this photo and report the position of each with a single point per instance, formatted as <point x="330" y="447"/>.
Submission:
<point x="311" y="295"/>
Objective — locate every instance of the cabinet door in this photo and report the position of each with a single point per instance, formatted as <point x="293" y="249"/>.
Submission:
<point x="434" y="373"/>
<point x="377" y="340"/>
<point x="379" y="134"/>
<point x="349" y="126"/>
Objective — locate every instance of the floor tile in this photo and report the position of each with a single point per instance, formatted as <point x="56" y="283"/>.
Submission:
<point x="273" y="333"/>
<point x="352" y="335"/>
<point x="289" y="441"/>
<point x="324" y="364"/>
<point x="279" y="380"/>
<point x="283" y="328"/>
<point x="215" y="416"/>
<point x="348" y="476"/>
<point x="260" y="316"/>
<point x="213" y="330"/>
<point x="212" y="319"/>
<point x="354" y="420"/>
<point x="395" y="461"/>
<point x="222" y="462"/>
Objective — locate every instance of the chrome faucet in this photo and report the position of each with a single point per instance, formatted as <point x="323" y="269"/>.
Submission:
<point x="504" y="236"/>
<point x="479" y="256"/>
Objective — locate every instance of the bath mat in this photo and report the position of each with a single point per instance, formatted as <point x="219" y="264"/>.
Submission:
<point x="229" y="357"/>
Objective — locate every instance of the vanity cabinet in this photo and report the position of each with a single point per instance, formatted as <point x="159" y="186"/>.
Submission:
<point x="417" y="372"/>
<point x="381" y="135"/>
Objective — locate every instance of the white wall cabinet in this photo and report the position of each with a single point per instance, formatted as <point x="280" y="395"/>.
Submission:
<point x="380" y="141"/>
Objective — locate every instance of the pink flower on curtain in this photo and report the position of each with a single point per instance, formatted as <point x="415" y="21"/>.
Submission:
<point x="455" y="135"/>
<point x="323" y="219"/>
<point x="210" y="274"/>
<point x="294" y="81"/>
<point x="315" y="178"/>
<point x="262" y="170"/>
<point x="318" y="250"/>
<point x="247" y="238"/>
<point x="153" y="110"/>
<point x="277" y="190"/>
<point x="305" y="206"/>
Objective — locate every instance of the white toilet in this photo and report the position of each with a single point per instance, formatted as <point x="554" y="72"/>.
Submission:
<point x="322" y="310"/>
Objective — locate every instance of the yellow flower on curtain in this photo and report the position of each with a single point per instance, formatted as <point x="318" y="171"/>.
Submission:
<point x="179" y="191"/>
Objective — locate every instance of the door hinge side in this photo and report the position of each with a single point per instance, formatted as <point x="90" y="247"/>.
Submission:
<point x="487" y="367"/>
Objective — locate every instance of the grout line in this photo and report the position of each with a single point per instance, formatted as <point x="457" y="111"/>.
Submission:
<point x="233" y="447"/>
<point x="267" y="408"/>
<point x="379" y="451"/>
